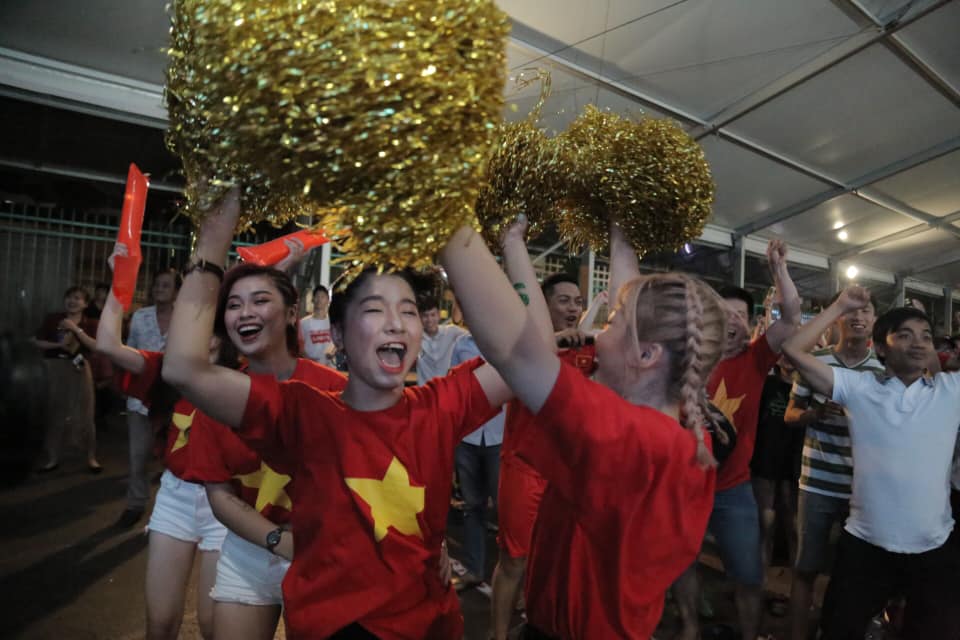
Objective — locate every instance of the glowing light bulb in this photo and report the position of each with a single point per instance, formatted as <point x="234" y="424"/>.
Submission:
<point x="852" y="271"/>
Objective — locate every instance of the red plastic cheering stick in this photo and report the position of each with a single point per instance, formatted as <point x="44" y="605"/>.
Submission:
<point x="270" y="253"/>
<point x="131" y="222"/>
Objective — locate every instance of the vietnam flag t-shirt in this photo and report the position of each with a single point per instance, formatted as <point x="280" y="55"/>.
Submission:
<point x="370" y="507"/>
<point x="735" y="388"/>
<point x="218" y="454"/>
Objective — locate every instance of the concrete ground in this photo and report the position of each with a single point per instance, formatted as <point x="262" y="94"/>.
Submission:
<point x="67" y="573"/>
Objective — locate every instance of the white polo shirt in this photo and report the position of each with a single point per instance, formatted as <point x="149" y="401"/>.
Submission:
<point x="903" y="440"/>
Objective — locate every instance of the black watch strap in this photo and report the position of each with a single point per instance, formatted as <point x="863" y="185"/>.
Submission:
<point x="273" y="539"/>
<point x="203" y="265"/>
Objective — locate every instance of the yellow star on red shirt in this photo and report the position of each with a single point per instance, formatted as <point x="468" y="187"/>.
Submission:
<point x="727" y="406"/>
<point x="393" y="501"/>
<point x="270" y="487"/>
<point x="182" y="422"/>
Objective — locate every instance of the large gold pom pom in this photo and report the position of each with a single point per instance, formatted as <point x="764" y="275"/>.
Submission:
<point x="382" y="111"/>
<point x="648" y="176"/>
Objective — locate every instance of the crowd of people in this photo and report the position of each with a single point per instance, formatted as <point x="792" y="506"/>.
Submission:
<point x="611" y="458"/>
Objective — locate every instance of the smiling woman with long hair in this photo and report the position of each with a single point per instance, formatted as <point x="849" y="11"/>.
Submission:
<point x="257" y="310"/>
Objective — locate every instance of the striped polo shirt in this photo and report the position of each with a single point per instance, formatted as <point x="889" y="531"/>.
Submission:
<point x="827" y="466"/>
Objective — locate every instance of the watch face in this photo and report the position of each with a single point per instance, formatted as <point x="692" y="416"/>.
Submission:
<point x="273" y="538"/>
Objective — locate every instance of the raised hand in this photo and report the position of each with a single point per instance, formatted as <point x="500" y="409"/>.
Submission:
<point x="516" y="231"/>
<point x="119" y="249"/>
<point x="853" y="297"/>
<point x="295" y="255"/>
<point x="776" y="254"/>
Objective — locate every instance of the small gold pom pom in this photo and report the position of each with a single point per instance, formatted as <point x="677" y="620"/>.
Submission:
<point x="648" y="176"/>
<point x="524" y="174"/>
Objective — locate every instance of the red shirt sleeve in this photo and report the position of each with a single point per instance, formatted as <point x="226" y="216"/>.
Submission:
<point x="206" y="462"/>
<point x="271" y="420"/>
<point x="586" y="437"/>
<point x="138" y="385"/>
<point x="762" y="355"/>
<point x="460" y="400"/>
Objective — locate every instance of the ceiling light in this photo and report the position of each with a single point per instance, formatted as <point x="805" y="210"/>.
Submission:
<point x="843" y="235"/>
<point x="852" y="271"/>
<point x="837" y="225"/>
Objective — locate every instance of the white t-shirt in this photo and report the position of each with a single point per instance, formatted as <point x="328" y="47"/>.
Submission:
<point x="145" y="335"/>
<point x="903" y="440"/>
<point x="436" y="352"/>
<point x="315" y="334"/>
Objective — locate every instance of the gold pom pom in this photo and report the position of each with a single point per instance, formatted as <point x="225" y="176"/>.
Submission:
<point x="523" y="174"/>
<point x="648" y="176"/>
<point x="380" y="110"/>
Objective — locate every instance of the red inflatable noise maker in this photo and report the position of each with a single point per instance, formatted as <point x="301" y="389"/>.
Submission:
<point x="270" y="253"/>
<point x="125" y="268"/>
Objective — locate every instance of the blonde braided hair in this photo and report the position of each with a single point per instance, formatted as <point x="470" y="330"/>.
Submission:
<point x="685" y="316"/>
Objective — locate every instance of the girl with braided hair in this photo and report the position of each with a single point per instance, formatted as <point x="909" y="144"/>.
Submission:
<point x="631" y="478"/>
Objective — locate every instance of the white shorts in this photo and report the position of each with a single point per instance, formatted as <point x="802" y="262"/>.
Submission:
<point x="182" y="511"/>
<point x="248" y="574"/>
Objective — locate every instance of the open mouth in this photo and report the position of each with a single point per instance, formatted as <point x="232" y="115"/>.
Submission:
<point x="249" y="332"/>
<point x="391" y="356"/>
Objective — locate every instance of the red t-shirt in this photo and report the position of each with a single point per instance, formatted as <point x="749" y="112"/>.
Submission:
<point x="735" y="388"/>
<point x="583" y="358"/>
<point x="370" y="508"/>
<point x="624" y="513"/>
<point x="176" y="454"/>
<point x="218" y="454"/>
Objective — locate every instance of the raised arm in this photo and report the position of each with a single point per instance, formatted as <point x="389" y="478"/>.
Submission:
<point x="219" y="392"/>
<point x="590" y="315"/>
<point x="789" y="320"/>
<point x="819" y="375"/>
<point x="520" y="270"/>
<point x="110" y="329"/>
<point x="624" y="264"/>
<point x="507" y="335"/>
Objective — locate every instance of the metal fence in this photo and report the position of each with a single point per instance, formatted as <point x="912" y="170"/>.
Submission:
<point x="45" y="250"/>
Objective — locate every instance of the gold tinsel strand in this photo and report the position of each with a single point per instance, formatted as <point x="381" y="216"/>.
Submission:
<point x="648" y="176"/>
<point x="522" y="174"/>
<point x="381" y="111"/>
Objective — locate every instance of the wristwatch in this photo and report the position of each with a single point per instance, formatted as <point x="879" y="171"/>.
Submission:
<point x="202" y="264"/>
<point x="273" y="539"/>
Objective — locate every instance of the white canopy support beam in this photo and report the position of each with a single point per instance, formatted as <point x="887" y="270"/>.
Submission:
<point x="825" y="61"/>
<point x="906" y="53"/>
<point x="903" y="234"/>
<point x="948" y="311"/>
<point x="83" y="174"/>
<point x="76" y="88"/>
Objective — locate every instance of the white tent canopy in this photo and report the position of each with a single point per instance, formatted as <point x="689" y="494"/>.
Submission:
<point x="832" y="123"/>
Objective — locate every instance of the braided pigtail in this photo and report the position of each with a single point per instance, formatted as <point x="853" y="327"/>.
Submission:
<point x="691" y="378"/>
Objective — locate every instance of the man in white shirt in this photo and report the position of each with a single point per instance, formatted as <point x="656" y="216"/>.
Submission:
<point x="315" y="329"/>
<point x="903" y="429"/>
<point x="436" y="348"/>
<point x="148" y="331"/>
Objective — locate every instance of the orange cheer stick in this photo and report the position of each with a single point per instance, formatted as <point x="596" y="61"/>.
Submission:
<point x="131" y="223"/>
<point x="270" y="253"/>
